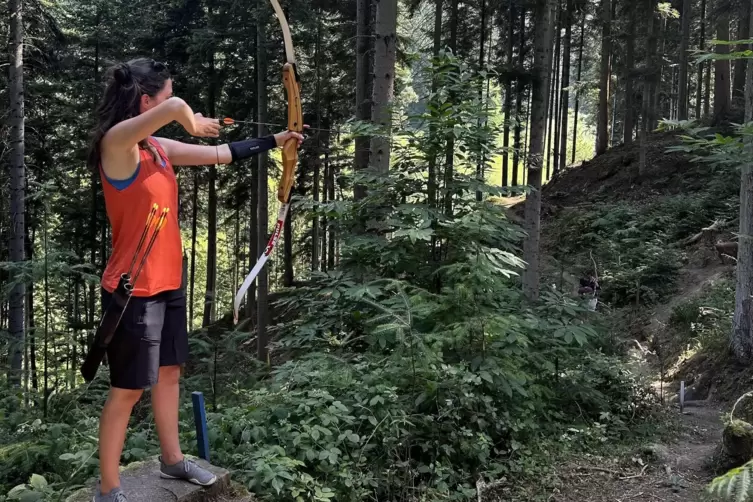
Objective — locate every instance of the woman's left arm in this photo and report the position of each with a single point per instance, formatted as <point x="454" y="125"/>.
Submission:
<point x="186" y="154"/>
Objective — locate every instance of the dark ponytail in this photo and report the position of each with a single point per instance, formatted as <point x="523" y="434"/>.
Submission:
<point x="126" y="83"/>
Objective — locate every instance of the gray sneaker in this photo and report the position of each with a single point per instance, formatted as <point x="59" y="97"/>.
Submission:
<point x="187" y="470"/>
<point x="114" y="495"/>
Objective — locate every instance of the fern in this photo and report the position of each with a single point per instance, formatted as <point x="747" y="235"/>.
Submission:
<point x="744" y="486"/>
<point x="734" y="485"/>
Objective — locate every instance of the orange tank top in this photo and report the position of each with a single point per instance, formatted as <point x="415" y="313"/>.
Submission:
<point x="128" y="203"/>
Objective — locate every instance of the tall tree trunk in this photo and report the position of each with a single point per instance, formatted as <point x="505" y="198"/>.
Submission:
<point x="602" y="122"/>
<point x="627" y="133"/>
<point x="520" y="88"/>
<point x="31" y="359"/>
<point x="385" y="54"/>
<point x="682" y="100"/>
<point x="577" y="92"/>
<point x="433" y="139"/>
<point x="481" y="63"/>
<point x="250" y="306"/>
<point x="565" y="99"/>
<point x="237" y="251"/>
<point x="449" y="170"/>
<point x="209" y="300"/>
<point x="550" y="112"/>
<point x="656" y="105"/>
<point x="287" y="278"/>
<point x="701" y="65"/>
<point x="552" y="141"/>
<point x="315" y="238"/>
<point x="325" y="200"/>
<point x="742" y="325"/>
<point x="543" y="29"/>
<point x="508" y="98"/>
<point x="262" y="337"/>
<point x="318" y="160"/>
<point x="94" y="190"/>
<point x="17" y="184"/>
<point x="722" y="71"/>
<point x="32" y="340"/>
<point x="194" y="225"/>
<point x="76" y="316"/>
<point x="254" y="232"/>
<point x="743" y="28"/>
<point x="526" y="132"/>
<point x="364" y="80"/>
<point x="45" y="362"/>
<point x="558" y="90"/>
<point x="650" y="77"/>
<point x="332" y="232"/>
<point x="211" y="247"/>
<point x="614" y="90"/>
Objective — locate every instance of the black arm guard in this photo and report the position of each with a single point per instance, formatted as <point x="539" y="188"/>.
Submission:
<point x="243" y="149"/>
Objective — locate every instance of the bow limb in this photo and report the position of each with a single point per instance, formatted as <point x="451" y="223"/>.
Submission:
<point x="289" y="154"/>
<point x="295" y="115"/>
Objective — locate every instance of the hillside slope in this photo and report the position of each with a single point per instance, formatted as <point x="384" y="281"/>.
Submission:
<point x="668" y="304"/>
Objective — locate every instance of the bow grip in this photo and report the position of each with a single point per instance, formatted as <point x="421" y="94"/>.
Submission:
<point x="295" y="123"/>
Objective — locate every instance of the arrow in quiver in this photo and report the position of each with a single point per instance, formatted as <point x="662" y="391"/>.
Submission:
<point x="120" y="298"/>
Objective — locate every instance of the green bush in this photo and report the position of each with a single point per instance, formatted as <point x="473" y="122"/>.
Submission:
<point x="706" y="321"/>
<point x="411" y="371"/>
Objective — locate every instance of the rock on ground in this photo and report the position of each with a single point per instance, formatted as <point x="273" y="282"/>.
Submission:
<point x="142" y="483"/>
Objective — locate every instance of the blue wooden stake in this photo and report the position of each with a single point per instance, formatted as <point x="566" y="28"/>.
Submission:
<point x="200" y="420"/>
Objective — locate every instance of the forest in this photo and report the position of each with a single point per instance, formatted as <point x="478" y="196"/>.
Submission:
<point x="515" y="265"/>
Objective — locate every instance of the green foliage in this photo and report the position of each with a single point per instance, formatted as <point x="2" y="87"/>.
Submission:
<point x="634" y="244"/>
<point x="706" y="321"/>
<point x="410" y="371"/>
<point x="35" y="490"/>
<point x="722" y="152"/>
<point x="667" y="11"/>
<point x="417" y="366"/>
<point x="414" y="369"/>
<point x="381" y="424"/>
<point x="629" y="244"/>
<point x="735" y="485"/>
<point x="62" y="448"/>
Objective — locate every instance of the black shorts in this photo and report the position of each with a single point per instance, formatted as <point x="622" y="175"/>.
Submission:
<point x="151" y="333"/>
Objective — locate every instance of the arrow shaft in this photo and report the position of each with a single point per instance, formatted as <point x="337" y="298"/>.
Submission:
<point x="278" y="125"/>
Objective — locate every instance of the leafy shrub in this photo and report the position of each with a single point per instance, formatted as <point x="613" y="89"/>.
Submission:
<point x="629" y="245"/>
<point x="706" y="321"/>
<point x="416" y="367"/>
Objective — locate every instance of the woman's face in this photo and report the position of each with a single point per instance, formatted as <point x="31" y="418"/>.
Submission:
<point x="149" y="102"/>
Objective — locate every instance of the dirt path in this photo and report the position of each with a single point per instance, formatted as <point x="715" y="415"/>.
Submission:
<point x="678" y="469"/>
<point x="674" y="472"/>
<point x="691" y="284"/>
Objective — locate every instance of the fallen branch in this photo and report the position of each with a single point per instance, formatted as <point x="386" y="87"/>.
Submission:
<point x="599" y="469"/>
<point x="643" y="350"/>
<point x="635" y="475"/>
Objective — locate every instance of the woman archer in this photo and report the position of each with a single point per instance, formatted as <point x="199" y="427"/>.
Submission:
<point x="151" y="341"/>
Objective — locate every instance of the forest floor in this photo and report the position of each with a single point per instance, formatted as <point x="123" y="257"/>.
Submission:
<point x="675" y="464"/>
<point x="675" y="468"/>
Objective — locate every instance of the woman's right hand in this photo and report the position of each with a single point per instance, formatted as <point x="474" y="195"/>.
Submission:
<point x="204" y="127"/>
